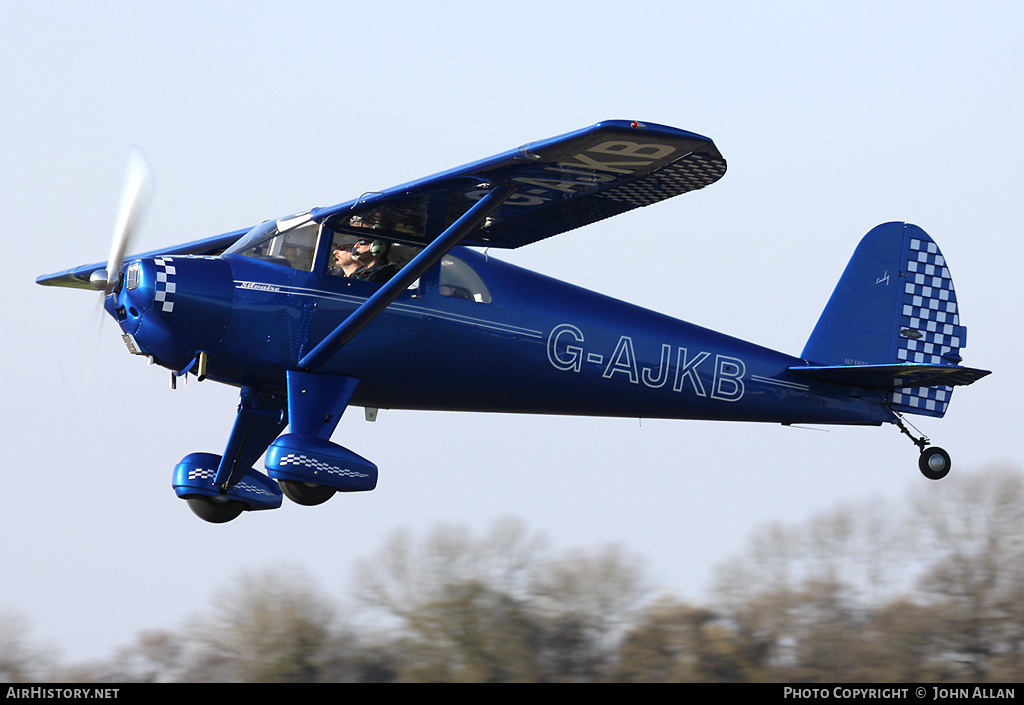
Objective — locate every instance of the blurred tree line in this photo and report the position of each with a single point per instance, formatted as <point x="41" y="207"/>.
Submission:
<point x="930" y="591"/>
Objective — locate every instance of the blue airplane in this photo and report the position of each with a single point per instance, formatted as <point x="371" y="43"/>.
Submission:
<point x="381" y="302"/>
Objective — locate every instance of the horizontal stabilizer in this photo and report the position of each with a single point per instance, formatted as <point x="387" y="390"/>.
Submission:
<point x="892" y="377"/>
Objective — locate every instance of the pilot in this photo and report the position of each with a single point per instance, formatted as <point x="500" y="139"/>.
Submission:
<point x="372" y="256"/>
<point x="343" y="263"/>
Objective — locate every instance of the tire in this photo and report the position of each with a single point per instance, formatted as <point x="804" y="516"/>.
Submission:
<point x="934" y="463"/>
<point x="307" y="494"/>
<point x="216" y="510"/>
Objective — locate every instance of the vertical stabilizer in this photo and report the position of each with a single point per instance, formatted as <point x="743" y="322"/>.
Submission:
<point x="894" y="304"/>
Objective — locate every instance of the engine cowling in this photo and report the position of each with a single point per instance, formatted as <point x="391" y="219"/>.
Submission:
<point x="173" y="307"/>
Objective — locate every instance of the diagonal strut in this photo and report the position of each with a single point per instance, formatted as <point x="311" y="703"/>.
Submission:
<point x="419" y="264"/>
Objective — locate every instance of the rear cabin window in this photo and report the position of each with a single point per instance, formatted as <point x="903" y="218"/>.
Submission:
<point x="459" y="281"/>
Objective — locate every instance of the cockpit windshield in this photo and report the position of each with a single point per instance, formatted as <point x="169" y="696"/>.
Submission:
<point x="289" y="241"/>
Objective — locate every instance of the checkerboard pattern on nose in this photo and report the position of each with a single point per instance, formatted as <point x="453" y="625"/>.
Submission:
<point x="930" y="331"/>
<point x="165" y="285"/>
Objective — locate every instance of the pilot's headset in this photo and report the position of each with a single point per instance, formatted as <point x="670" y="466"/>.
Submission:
<point x="378" y="248"/>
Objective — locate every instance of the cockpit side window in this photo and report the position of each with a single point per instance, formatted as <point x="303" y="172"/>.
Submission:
<point x="367" y="258"/>
<point x="458" y="280"/>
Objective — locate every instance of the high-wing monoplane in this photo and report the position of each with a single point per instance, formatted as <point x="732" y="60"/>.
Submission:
<point x="386" y="302"/>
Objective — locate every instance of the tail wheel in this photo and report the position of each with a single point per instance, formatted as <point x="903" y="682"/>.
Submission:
<point x="216" y="510"/>
<point x="934" y="463"/>
<point x="307" y="494"/>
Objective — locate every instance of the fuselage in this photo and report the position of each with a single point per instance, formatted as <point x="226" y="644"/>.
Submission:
<point x="494" y="338"/>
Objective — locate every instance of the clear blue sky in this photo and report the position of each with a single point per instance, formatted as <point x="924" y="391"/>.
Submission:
<point x="834" y="117"/>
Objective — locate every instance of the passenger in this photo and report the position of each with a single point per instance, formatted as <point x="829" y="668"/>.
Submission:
<point x="372" y="256"/>
<point x="343" y="264"/>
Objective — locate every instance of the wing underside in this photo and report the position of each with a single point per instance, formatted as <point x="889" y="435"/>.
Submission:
<point x="560" y="184"/>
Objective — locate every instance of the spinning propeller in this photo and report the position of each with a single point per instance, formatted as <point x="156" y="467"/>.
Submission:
<point x="135" y="196"/>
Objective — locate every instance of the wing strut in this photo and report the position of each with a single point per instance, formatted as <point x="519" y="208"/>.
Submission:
<point x="419" y="264"/>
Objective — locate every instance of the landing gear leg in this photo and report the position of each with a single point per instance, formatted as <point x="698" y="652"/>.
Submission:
<point x="220" y="487"/>
<point x="261" y="417"/>
<point x="308" y="467"/>
<point x="934" y="462"/>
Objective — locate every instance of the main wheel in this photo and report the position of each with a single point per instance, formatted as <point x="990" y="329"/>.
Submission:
<point x="216" y="510"/>
<point x="306" y="493"/>
<point x="934" y="463"/>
